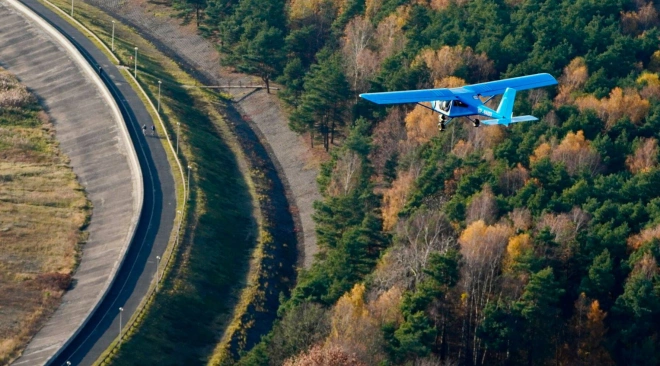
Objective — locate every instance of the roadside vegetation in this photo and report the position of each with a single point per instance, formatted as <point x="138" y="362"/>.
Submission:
<point x="43" y="211"/>
<point x="536" y="244"/>
<point x="234" y="231"/>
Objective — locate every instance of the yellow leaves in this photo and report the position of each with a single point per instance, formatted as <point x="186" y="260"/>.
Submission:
<point x="385" y="309"/>
<point x="483" y="139"/>
<point x="595" y="315"/>
<point x="438" y="5"/>
<point x="449" y="82"/>
<point x="353" y="329"/>
<point x="349" y="309"/>
<point x="324" y="355"/>
<point x="372" y="7"/>
<point x="481" y="243"/>
<point x="542" y="151"/>
<point x="654" y="64"/>
<point x="464" y="297"/>
<point x="576" y="153"/>
<point x="447" y="60"/>
<point x="421" y="125"/>
<point x="487" y="137"/>
<point x="649" y="78"/>
<point x="462" y="149"/>
<point x="395" y="198"/>
<point x="573" y="142"/>
<point x="646" y="235"/>
<point x="644" y="18"/>
<point x="301" y="9"/>
<point x="588" y="326"/>
<point x="650" y="82"/>
<point x="645" y="156"/>
<point x="619" y="104"/>
<point x="573" y="78"/>
<point x="518" y="245"/>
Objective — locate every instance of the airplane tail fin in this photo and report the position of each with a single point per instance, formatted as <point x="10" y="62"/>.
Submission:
<point x="506" y="105"/>
<point x="505" y="109"/>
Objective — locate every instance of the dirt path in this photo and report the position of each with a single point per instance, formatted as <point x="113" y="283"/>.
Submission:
<point x="290" y="154"/>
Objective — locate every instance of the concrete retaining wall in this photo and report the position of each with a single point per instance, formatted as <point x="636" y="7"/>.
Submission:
<point x="93" y="135"/>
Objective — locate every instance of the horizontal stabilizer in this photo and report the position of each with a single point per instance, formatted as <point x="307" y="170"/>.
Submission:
<point x="513" y="120"/>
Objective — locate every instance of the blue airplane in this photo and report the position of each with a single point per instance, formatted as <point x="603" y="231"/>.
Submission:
<point x="466" y="101"/>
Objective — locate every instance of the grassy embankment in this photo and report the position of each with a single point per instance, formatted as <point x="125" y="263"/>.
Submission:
<point x="43" y="210"/>
<point x="195" y="304"/>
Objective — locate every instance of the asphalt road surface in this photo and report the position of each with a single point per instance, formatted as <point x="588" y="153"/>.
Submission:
<point x="159" y="210"/>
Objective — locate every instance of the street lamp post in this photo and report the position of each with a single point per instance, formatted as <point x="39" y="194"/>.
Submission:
<point x="121" y="310"/>
<point x="72" y="8"/>
<point x="178" y="131"/>
<point x="135" y="70"/>
<point x="157" y="271"/>
<point x="113" y="36"/>
<point x="189" y="168"/>
<point x="159" y="83"/>
<point x="68" y="363"/>
<point x="178" y="212"/>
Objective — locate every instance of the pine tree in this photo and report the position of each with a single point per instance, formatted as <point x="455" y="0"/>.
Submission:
<point x="322" y="105"/>
<point x="600" y="279"/>
<point x="538" y="306"/>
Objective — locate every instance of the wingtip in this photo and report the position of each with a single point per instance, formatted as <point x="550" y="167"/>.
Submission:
<point x="545" y="74"/>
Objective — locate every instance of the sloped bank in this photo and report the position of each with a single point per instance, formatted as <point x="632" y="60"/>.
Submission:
<point x="219" y="220"/>
<point x="29" y="48"/>
<point x="273" y="271"/>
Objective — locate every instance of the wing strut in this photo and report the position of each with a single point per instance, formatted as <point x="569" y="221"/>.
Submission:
<point x="427" y="107"/>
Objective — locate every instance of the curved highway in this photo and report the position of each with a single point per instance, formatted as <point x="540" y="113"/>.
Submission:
<point x="156" y="221"/>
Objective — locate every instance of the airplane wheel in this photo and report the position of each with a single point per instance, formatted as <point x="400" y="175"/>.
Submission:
<point x="441" y="126"/>
<point x="476" y="123"/>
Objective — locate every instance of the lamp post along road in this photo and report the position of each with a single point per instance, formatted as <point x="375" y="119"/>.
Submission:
<point x="159" y="83"/>
<point x="157" y="272"/>
<point x="178" y="131"/>
<point x="189" y="167"/>
<point x="72" y="8"/>
<point x="178" y="229"/>
<point x="113" y="36"/>
<point x="121" y="310"/>
<point x="135" y="69"/>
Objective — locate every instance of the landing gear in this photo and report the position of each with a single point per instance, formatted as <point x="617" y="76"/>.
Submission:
<point x="476" y="122"/>
<point x="441" y="124"/>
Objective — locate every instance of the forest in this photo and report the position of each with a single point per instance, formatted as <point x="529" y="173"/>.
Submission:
<point x="534" y="244"/>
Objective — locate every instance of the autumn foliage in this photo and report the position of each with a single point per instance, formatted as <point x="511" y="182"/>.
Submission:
<point x="447" y="60"/>
<point x="645" y="156"/>
<point x="620" y="103"/>
<point x="644" y="236"/>
<point x="573" y="79"/>
<point x="574" y="151"/>
<point x="395" y="198"/>
<point x="322" y="356"/>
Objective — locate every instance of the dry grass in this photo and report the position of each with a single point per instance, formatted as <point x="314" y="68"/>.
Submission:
<point x="42" y="211"/>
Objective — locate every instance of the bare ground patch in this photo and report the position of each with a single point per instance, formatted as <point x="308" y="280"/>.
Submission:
<point x="42" y="212"/>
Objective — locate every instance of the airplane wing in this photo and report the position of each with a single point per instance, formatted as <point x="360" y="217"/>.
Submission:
<point x="410" y="96"/>
<point x="520" y="83"/>
<point x="486" y="89"/>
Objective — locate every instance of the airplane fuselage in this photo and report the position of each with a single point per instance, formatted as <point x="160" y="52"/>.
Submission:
<point x="462" y="108"/>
